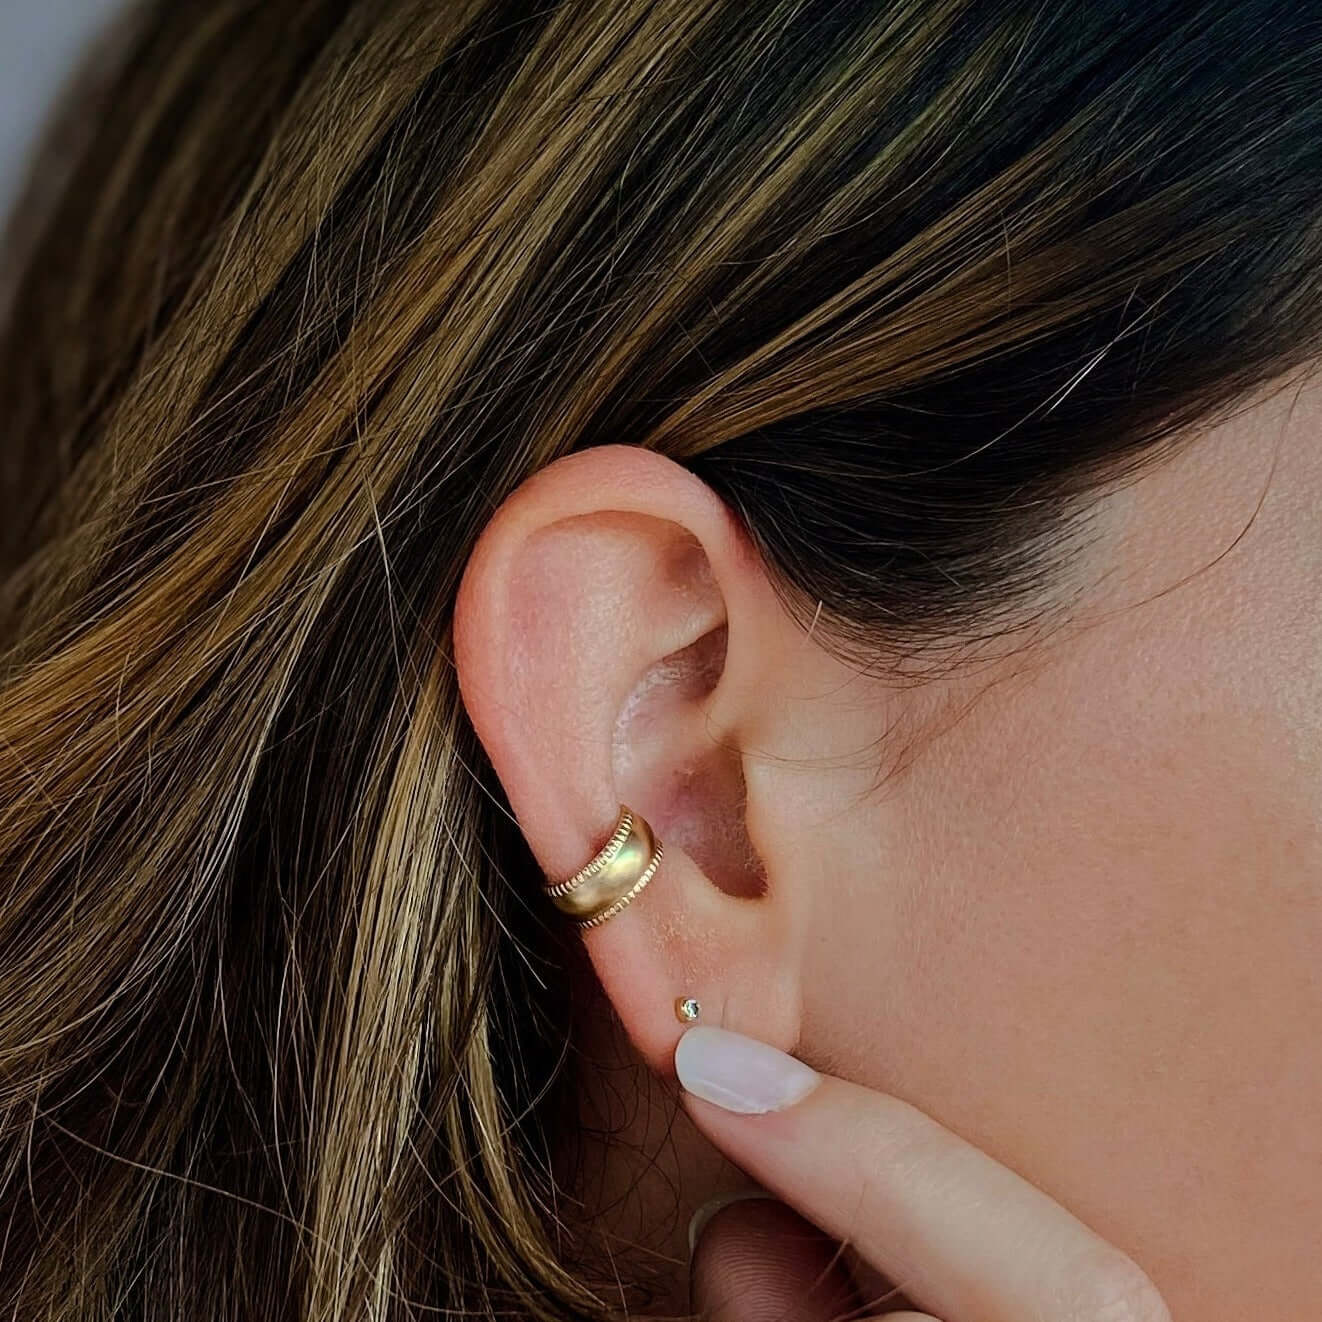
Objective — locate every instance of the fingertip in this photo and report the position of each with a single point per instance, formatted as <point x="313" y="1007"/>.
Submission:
<point x="757" y="1260"/>
<point x="704" y="1214"/>
<point x="740" y="1074"/>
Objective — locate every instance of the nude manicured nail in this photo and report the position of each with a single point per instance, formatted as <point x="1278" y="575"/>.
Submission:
<point x="740" y="1073"/>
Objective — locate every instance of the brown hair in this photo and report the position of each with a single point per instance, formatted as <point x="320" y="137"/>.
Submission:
<point x="279" y="1033"/>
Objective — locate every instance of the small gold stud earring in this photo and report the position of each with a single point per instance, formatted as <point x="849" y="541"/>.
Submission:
<point x="687" y="1010"/>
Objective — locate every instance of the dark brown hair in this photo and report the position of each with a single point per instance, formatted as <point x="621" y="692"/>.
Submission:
<point x="904" y="281"/>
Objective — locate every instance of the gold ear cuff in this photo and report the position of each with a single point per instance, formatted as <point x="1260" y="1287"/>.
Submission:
<point x="614" y="876"/>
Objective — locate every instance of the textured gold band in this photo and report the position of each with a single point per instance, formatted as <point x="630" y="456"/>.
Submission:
<point x="614" y="876"/>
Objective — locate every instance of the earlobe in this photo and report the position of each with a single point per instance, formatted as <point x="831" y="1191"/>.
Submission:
<point x="611" y="639"/>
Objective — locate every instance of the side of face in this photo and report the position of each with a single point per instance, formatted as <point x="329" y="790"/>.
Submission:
<point x="1081" y="923"/>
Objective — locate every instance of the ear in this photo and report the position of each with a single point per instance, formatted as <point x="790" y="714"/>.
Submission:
<point x="618" y="639"/>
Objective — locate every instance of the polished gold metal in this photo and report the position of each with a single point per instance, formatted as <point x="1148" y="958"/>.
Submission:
<point x="687" y="1009"/>
<point x="614" y="876"/>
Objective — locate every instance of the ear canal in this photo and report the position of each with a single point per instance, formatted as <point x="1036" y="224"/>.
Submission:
<point x="702" y="771"/>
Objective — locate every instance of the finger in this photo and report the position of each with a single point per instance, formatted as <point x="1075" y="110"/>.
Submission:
<point x="760" y="1261"/>
<point x="958" y="1232"/>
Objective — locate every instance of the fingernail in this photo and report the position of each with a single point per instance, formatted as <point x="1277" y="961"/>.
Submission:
<point x="740" y="1073"/>
<point x="714" y="1205"/>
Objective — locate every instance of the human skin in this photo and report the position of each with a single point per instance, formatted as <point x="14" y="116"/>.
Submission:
<point x="1098" y="952"/>
<point x="1066" y="902"/>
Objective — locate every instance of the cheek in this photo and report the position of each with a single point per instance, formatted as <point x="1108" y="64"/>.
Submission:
<point x="1096" y="956"/>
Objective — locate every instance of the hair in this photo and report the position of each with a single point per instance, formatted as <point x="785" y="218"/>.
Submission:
<point x="281" y="1034"/>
